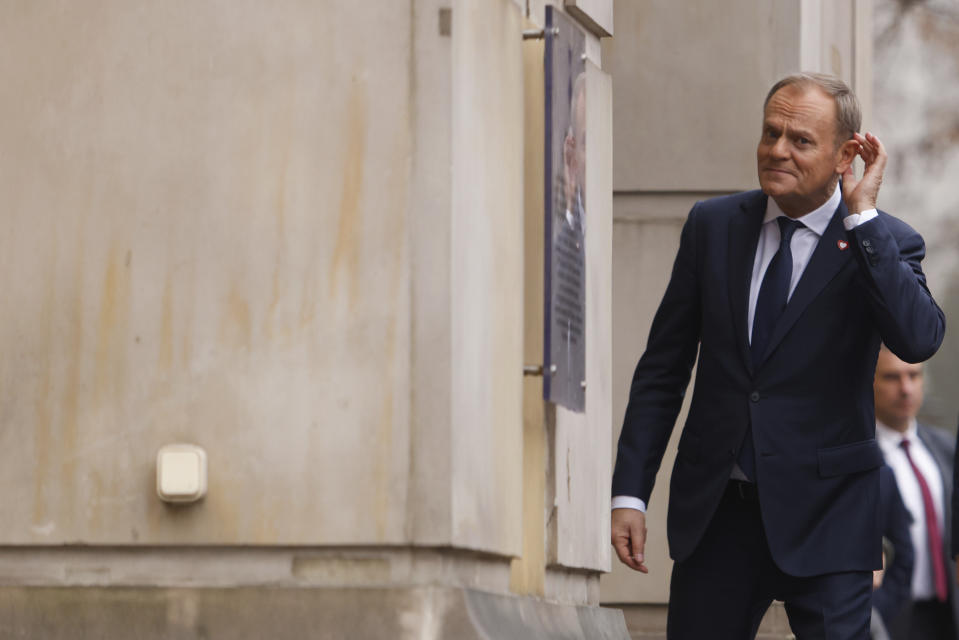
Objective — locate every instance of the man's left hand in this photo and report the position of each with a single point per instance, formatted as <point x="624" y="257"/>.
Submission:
<point x="861" y="195"/>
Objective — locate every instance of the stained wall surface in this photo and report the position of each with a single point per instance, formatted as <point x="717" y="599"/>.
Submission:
<point x="209" y="240"/>
<point x="205" y="243"/>
<point x="294" y="236"/>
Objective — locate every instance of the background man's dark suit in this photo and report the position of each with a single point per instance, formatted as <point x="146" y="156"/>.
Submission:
<point x="809" y="402"/>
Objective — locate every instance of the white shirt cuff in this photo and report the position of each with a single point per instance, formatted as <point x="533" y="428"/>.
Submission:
<point x="628" y="502"/>
<point x="853" y="220"/>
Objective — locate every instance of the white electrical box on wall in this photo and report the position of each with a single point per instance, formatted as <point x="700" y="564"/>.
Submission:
<point x="181" y="473"/>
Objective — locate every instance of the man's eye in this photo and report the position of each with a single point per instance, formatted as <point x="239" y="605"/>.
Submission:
<point x="804" y="140"/>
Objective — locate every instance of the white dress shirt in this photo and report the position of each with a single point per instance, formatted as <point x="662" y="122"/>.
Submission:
<point x="923" y="580"/>
<point x="802" y="245"/>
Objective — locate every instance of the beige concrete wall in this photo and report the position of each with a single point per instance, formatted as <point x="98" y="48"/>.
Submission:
<point x="467" y="261"/>
<point x="689" y="81"/>
<point x="685" y="77"/>
<point x="429" y="504"/>
<point x="206" y="242"/>
<point x="595" y="15"/>
<point x="294" y="235"/>
<point x="289" y="234"/>
<point x="528" y="570"/>
<point x="487" y="274"/>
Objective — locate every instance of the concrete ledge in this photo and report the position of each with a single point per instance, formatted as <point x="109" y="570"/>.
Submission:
<point x="280" y="613"/>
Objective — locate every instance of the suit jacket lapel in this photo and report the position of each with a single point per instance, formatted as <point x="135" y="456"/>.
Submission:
<point x="826" y="261"/>
<point x="943" y="463"/>
<point x="743" y="238"/>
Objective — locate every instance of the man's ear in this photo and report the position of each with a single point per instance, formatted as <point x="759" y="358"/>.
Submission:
<point x="845" y="154"/>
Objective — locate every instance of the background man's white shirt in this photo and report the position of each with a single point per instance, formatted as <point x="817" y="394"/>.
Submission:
<point x="923" y="585"/>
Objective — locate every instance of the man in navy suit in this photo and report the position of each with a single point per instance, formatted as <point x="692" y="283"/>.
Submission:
<point x="785" y="294"/>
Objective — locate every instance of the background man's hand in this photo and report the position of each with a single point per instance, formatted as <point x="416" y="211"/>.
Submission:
<point x="879" y="574"/>
<point x="861" y="195"/>
<point x="628" y="533"/>
<point x="877" y="578"/>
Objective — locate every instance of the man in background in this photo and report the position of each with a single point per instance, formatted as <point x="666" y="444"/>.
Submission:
<point x="921" y="458"/>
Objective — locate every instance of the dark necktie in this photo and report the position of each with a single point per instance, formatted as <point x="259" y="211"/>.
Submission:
<point x="773" y="294"/>
<point x="932" y="528"/>
<point x="774" y="291"/>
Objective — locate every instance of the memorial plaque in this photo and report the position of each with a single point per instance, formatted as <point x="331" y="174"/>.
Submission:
<point x="564" y="370"/>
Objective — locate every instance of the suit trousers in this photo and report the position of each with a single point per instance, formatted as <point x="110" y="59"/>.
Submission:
<point x="931" y="620"/>
<point x="723" y="589"/>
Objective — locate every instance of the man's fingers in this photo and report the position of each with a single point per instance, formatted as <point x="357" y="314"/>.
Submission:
<point x="866" y="152"/>
<point x="628" y="533"/>
<point x="871" y="150"/>
<point x="862" y="194"/>
<point x="621" y="544"/>
<point x="624" y="552"/>
<point x="639" y="551"/>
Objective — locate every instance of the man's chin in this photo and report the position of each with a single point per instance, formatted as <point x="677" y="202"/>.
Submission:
<point x="773" y="189"/>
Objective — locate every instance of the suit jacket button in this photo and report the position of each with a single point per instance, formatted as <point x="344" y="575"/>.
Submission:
<point x="754" y="396"/>
<point x="867" y="242"/>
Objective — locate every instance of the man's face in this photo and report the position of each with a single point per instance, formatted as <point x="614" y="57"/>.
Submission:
<point x="898" y="390"/>
<point x="797" y="156"/>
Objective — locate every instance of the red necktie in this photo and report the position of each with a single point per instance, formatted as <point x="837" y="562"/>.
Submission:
<point x="932" y="528"/>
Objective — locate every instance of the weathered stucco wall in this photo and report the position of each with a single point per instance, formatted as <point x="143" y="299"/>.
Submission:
<point x="293" y="235"/>
<point x="487" y="271"/>
<point x="221" y="229"/>
<point x="205" y="242"/>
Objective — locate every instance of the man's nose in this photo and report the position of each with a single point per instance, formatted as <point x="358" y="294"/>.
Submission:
<point x="780" y="148"/>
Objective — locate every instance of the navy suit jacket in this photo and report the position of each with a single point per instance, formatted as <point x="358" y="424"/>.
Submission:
<point x="809" y="401"/>
<point x="895" y="594"/>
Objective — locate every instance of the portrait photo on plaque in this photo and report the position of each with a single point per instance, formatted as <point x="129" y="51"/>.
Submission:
<point x="566" y="216"/>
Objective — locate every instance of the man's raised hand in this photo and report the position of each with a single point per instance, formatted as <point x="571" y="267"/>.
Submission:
<point x="861" y="194"/>
<point x="628" y="532"/>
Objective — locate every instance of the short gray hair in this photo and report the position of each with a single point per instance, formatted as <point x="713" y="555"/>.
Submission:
<point x="848" y="111"/>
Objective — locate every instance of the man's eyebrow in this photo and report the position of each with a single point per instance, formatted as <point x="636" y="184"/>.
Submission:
<point x="803" y="133"/>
